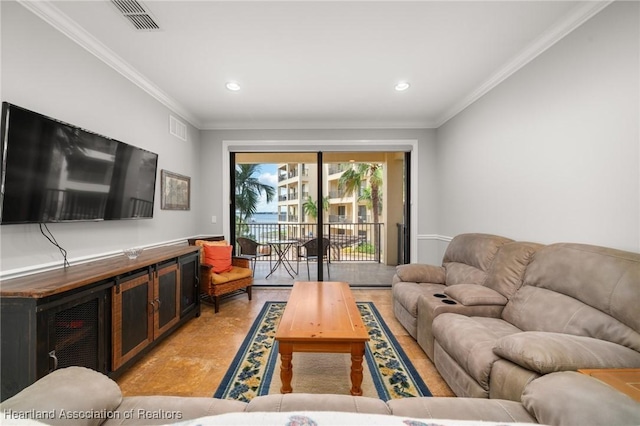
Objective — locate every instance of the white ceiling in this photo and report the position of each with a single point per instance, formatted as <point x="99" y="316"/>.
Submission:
<point x="329" y="64"/>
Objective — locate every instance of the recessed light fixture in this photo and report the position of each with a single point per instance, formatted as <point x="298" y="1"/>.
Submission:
<point x="233" y="86"/>
<point x="402" y="86"/>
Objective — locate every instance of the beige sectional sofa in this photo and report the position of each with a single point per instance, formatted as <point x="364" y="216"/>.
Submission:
<point x="82" y="397"/>
<point x="564" y="307"/>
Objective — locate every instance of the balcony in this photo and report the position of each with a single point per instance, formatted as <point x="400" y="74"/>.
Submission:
<point x="337" y="168"/>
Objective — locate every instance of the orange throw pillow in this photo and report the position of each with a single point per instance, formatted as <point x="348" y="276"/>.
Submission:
<point x="219" y="257"/>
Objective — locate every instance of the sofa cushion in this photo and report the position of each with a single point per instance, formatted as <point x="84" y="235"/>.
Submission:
<point x="317" y="402"/>
<point x="421" y="273"/>
<point x="469" y="256"/>
<point x="478" y="409"/>
<point x="162" y="410"/>
<point x="602" y="278"/>
<point x="571" y="398"/>
<point x="550" y="352"/>
<point x="508" y="268"/>
<point x="539" y="309"/>
<point x="75" y="395"/>
<point x="470" y="341"/>
<point x="473" y="294"/>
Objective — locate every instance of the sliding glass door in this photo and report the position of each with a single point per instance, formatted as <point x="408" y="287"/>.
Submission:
<point x="336" y="216"/>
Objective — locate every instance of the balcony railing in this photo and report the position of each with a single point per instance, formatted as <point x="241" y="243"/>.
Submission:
<point x="337" y="218"/>
<point x="352" y="242"/>
<point x="337" y="194"/>
<point x="337" y="168"/>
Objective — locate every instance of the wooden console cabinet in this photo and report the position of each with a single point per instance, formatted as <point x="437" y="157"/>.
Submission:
<point x="101" y="315"/>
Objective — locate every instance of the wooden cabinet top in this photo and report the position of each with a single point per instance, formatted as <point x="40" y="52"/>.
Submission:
<point x="49" y="283"/>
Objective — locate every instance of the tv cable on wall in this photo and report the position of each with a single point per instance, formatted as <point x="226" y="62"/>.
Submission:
<point x="53" y="241"/>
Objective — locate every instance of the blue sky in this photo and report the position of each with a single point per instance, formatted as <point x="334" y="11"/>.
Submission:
<point x="268" y="175"/>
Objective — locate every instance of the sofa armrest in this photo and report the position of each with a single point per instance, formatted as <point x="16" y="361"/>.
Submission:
<point x="420" y="273"/>
<point x="475" y="294"/>
<point x="72" y="395"/>
<point x="545" y="352"/>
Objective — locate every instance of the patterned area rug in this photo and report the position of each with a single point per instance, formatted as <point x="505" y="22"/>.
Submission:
<point x="255" y="370"/>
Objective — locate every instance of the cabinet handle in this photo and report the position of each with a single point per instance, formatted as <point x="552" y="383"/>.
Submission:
<point x="153" y="306"/>
<point x="52" y="354"/>
<point x="159" y="302"/>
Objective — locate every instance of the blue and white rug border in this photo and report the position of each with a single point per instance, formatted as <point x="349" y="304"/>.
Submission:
<point x="271" y="364"/>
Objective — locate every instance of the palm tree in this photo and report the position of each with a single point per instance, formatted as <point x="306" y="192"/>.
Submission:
<point x="311" y="207"/>
<point x="248" y="191"/>
<point x="352" y="180"/>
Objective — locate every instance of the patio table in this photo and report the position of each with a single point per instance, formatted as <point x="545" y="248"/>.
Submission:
<point x="282" y="248"/>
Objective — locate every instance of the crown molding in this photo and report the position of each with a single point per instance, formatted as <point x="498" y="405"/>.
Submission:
<point x="46" y="11"/>
<point x="578" y="16"/>
<point x="316" y="125"/>
<point x="54" y="17"/>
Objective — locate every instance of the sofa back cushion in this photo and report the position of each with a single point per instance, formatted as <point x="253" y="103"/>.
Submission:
<point x="469" y="256"/>
<point x="580" y="289"/>
<point x="508" y="267"/>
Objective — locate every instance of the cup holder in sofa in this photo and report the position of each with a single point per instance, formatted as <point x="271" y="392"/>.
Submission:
<point x="449" y="301"/>
<point x="440" y="295"/>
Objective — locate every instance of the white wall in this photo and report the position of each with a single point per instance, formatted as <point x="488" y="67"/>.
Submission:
<point x="42" y="70"/>
<point x="426" y="182"/>
<point x="552" y="154"/>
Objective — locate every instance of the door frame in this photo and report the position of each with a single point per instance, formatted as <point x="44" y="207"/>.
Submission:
<point x="397" y="145"/>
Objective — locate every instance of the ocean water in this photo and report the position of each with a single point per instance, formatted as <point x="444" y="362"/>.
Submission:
<point x="264" y="218"/>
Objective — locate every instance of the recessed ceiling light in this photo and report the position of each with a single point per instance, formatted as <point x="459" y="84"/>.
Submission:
<point x="403" y="85"/>
<point x="233" y="86"/>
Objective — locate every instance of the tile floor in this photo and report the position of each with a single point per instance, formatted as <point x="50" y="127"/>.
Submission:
<point x="193" y="360"/>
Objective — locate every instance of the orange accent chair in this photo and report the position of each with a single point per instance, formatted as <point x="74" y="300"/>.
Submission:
<point x="215" y="285"/>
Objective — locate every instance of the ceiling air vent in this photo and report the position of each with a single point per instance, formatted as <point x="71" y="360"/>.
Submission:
<point x="134" y="12"/>
<point x="177" y="128"/>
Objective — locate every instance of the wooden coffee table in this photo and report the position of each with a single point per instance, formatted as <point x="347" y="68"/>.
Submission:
<point x="626" y="380"/>
<point x="321" y="317"/>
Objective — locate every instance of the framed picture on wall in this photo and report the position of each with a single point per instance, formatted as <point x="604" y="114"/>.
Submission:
<point x="175" y="191"/>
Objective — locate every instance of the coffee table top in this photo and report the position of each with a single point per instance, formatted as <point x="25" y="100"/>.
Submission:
<point x="626" y="380"/>
<point x="321" y="311"/>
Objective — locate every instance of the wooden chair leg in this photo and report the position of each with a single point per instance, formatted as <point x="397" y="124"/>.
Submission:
<point x="216" y="303"/>
<point x="249" y="292"/>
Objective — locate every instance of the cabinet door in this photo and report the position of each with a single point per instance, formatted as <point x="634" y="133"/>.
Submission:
<point x="132" y="318"/>
<point x="189" y="283"/>
<point x="76" y="334"/>
<point x="166" y="300"/>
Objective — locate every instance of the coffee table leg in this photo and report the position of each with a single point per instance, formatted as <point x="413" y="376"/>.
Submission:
<point x="286" y="369"/>
<point x="357" y="354"/>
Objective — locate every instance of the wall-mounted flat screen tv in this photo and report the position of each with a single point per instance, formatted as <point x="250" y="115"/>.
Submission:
<point x="56" y="172"/>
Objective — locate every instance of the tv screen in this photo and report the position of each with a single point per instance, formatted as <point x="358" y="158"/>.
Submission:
<point x="56" y="172"/>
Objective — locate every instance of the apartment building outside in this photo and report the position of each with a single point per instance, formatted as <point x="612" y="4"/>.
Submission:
<point x="348" y="221"/>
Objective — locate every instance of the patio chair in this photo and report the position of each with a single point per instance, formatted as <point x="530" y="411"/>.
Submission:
<point x="309" y="250"/>
<point x="252" y="250"/>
